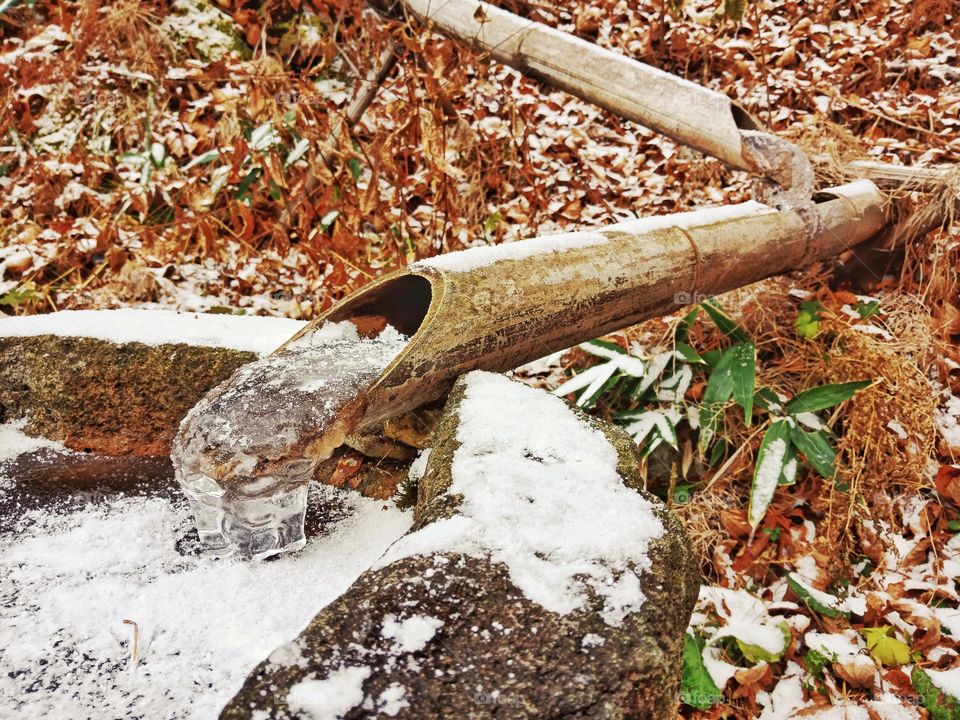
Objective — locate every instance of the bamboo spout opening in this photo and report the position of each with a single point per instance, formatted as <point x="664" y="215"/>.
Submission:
<point x="401" y="301"/>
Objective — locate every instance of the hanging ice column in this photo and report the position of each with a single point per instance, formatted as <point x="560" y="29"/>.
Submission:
<point x="246" y="452"/>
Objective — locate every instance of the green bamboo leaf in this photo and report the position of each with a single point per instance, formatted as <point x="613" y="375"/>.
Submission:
<point x="683" y="328"/>
<point x="723" y="321"/>
<point x="243" y="189"/>
<point x="715" y="396"/>
<point x="743" y="370"/>
<point x="788" y="475"/>
<point x="697" y="688"/>
<point x="765" y="398"/>
<point x="820" y="602"/>
<point x="772" y="458"/>
<point x="816" y="447"/>
<point x="689" y="354"/>
<point x="825" y="396"/>
<point x="601" y="346"/>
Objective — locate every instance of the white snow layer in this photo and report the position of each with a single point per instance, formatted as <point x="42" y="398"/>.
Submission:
<point x="14" y="443"/>
<point x="331" y="698"/>
<point x="481" y="256"/>
<point x="69" y="581"/>
<point x="526" y="473"/>
<point x="253" y="333"/>
<point x="946" y="681"/>
<point x="410" y="635"/>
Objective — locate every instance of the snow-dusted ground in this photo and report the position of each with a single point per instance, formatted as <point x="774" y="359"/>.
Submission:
<point x="70" y="579"/>
<point x="157" y="327"/>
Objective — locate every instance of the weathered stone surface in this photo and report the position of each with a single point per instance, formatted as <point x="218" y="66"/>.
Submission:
<point x="451" y="636"/>
<point x="114" y="398"/>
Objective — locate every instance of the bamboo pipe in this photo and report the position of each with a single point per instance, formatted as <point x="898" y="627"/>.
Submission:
<point x="497" y="307"/>
<point x="691" y="114"/>
<point x="936" y="178"/>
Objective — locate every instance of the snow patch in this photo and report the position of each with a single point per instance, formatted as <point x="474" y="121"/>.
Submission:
<point x="393" y="700"/>
<point x="67" y="581"/>
<point x="331" y="698"/>
<point x="477" y="257"/>
<point x="767" y="478"/>
<point x="484" y="255"/>
<point x="14" y="443"/>
<point x="525" y="473"/>
<point x="252" y="333"/>
<point x="412" y="634"/>
<point x="946" y="681"/>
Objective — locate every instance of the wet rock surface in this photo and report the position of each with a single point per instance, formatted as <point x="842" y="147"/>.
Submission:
<point x="452" y="634"/>
<point x="113" y="398"/>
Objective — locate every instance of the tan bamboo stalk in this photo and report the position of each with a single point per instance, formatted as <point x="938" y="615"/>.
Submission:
<point x="497" y="307"/>
<point x="924" y="179"/>
<point x="924" y="198"/>
<point x="689" y="113"/>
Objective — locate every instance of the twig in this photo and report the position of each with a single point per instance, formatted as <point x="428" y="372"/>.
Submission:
<point x="135" y="660"/>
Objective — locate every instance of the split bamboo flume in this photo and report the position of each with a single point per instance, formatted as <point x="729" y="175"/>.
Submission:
<point x="497" y="307"/>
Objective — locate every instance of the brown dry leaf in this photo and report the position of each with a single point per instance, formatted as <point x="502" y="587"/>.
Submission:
<point x="735" y="522"/>
<point x="858" y="672"/>
<point x="348" y="466"/>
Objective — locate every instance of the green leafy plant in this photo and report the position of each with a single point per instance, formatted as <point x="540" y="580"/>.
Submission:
<point x="656" y="387"/>
<point x="653" y="392"/>
<point x="22" y="295"/>
<point x="808" y="319"/>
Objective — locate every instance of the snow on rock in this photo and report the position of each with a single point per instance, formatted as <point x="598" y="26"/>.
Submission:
<point x="330" y="698"/>
<point x="70" y="580"/>
<point x="520" y="480"/>
<point x="252" y="333"/>
<point x="393" y="700"/>
<point x="528" y="551"/>
<point x="412" y="634"/>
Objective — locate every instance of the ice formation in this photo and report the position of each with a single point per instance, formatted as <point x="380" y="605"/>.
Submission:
<point x="245" y="453"/>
